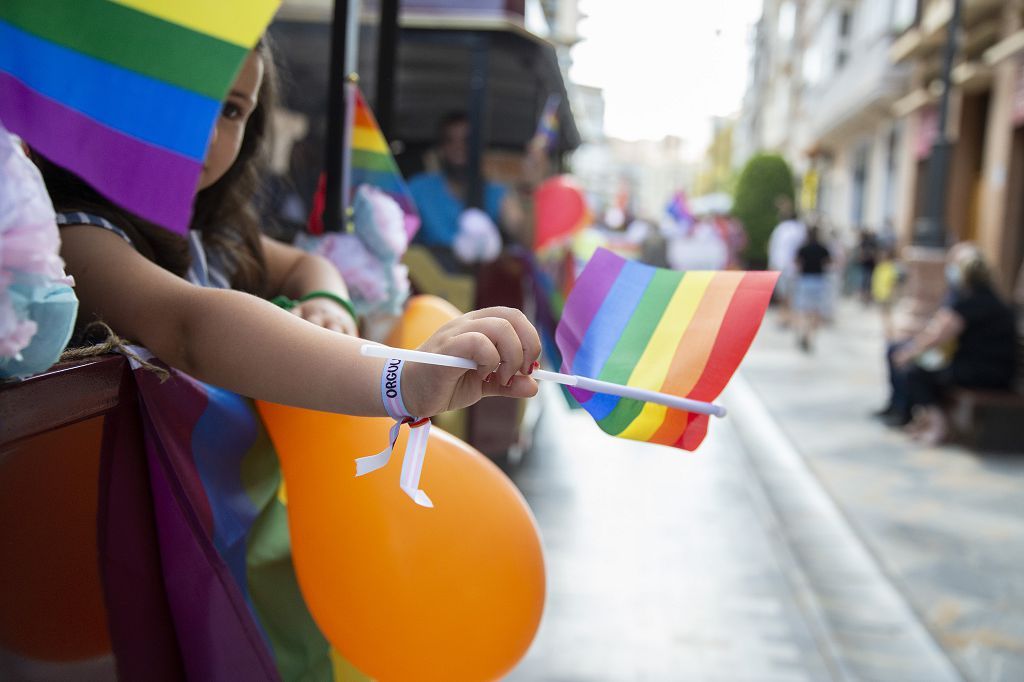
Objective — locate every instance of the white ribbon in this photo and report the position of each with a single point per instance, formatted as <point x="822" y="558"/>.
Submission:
<point x="412" y="464"/>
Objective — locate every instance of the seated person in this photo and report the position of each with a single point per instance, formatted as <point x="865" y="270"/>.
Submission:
<point x="984" y="331"/>
<point x="441" y="196"/>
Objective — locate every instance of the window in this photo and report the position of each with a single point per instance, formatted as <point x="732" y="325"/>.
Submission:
<point x="787" y="22"/>
<point x="843" y="47"/>
<point x="892" y="145"/>
<point x="845" y="23"/>
<point x="860" y="183"/>
<point x="904" y="12"/>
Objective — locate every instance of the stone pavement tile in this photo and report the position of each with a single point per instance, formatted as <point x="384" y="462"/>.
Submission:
<point x="869" y="630"/>
<point x="660" y="564"/>
<point x="944" y="523"/>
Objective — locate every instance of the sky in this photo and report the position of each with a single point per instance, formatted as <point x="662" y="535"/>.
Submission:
<point x="666" y="66"/>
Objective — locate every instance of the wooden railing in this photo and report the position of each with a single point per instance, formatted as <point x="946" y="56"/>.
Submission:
<point x="63" y="395"/>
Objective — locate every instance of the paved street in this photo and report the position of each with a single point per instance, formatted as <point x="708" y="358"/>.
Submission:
<point x="802" y="542"/>
<point x="661" y="564"/>
<point x="945" y="524"/>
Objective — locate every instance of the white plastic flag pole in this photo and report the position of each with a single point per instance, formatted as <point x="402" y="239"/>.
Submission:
<point x="585" y="383"/>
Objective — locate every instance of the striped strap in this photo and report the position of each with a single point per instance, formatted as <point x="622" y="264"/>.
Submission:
<point x="415" y="449"/>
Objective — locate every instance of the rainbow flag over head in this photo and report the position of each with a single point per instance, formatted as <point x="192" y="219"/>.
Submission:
<point x="125" y="92"/>
<point x="373" y="164"/>
<point x="682" y="333"/>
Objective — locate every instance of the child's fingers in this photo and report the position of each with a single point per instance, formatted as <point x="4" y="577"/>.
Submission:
<point x="529" y="339"/>
<point x="521" y="387"/>
<point x="503" y="335"/>
<point x="476" y="346"/>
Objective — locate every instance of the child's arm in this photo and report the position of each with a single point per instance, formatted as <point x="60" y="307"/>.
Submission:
<point x="248" y="345"/>
<point x="294" y="273"/>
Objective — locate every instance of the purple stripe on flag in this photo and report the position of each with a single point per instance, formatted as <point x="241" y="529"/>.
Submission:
<point x="584" y="301"/>
<point x="154" y="183"/>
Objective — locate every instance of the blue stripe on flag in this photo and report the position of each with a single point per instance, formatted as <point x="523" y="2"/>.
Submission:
<point x="144" y="108"/>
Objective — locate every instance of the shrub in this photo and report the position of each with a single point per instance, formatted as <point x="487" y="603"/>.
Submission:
<point x="764" y="179"/>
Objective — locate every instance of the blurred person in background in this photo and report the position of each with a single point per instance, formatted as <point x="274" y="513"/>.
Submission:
<point x="811" y="297"/>
<point x="885" y="280"/>
<point x="785" y="240"/>
<point x="442" y="195"/>
<point x="982" y="328"/>
<point x="867" y="258"/>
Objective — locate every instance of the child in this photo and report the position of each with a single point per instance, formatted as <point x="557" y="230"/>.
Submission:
<point x="142" y="281"/>
<point x="197" y="303"/>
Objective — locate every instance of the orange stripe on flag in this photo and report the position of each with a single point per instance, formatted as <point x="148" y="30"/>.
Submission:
<point x="694" y="350"/>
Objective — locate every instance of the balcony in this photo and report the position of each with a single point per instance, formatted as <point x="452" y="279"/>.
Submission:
<point x="863" y="90"/>
<point x="929" y="34"/>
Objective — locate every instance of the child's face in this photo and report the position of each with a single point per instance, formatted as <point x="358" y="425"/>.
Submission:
<point x="229" y="130"/>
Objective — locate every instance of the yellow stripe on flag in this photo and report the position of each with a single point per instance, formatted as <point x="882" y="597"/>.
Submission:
<point x="241" y="22"/>
<point x="369" y="140"/>
<point x="654" y="364"/>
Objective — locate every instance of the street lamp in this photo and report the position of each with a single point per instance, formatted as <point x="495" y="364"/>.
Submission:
<point x="930" y="230"/>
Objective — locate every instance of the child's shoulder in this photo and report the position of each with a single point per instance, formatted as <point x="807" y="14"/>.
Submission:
<point x="67" y="218"/>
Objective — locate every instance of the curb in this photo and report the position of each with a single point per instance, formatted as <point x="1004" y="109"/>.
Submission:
<point x="864" y="626"/>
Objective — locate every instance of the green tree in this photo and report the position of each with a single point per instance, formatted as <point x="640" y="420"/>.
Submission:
<point x="764" y="180"/>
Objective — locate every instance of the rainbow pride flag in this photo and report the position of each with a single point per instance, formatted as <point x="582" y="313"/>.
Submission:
<point x="373" y="164"/>
<point x="125" y="93"/>
<point x="196" y="552"/>
<point x="682" y="333"/>
<point x="547" y="126"/>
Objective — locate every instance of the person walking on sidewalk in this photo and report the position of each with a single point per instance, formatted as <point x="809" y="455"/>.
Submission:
<point x="785" y="240"/>
<point x="811" y="299"/>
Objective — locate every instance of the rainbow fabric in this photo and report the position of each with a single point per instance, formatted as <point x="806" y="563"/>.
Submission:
<point x="197" y="525"/>
<point x="547" y="126"/>
<point x="125" y="92"/>
<point x="372" y="163"/>
<point x="682" y="333"/>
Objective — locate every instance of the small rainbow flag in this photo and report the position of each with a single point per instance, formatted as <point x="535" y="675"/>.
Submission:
<point x="682" y="333"/>
<point x="547" y="126"/>
<point x="372" y="163"/>
<point x="125" y="93"/>
<point x="679" y="210"/>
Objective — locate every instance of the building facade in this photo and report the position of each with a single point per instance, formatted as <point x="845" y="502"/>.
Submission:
<point x="983" y="198"/>
<point x="852" y="102"/>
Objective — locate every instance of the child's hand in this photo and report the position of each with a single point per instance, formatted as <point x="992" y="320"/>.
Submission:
<point x="325" y="313"/>
<point x="501" y="341"/>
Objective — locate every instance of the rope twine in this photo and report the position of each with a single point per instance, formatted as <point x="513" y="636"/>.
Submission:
<point x="110" y="343"/>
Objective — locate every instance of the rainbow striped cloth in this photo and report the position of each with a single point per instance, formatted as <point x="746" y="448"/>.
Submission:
<point x="125" y="93"/>
<point x="196" y="552"/>
<point x="547" y="125"/>
<point x="682" y="333"/>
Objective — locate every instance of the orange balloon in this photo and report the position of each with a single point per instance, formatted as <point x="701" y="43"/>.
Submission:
<point x="407" y="593"/>
<point x="423" y="316"/>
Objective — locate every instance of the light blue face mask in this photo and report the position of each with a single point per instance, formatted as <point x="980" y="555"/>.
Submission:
<point x="53" y="307"/>
<point x="954" y="277"/>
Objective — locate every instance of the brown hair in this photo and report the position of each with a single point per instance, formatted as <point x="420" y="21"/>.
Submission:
<point x="223" y="212"/>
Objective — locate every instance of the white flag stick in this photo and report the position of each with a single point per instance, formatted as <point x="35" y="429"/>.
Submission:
<point x="585" y="383"/>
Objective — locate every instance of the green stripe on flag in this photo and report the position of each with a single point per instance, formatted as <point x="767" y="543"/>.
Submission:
<point x="132" y="40"/>
<point x="372" y="160"/>
<point x="633" y="342"/>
